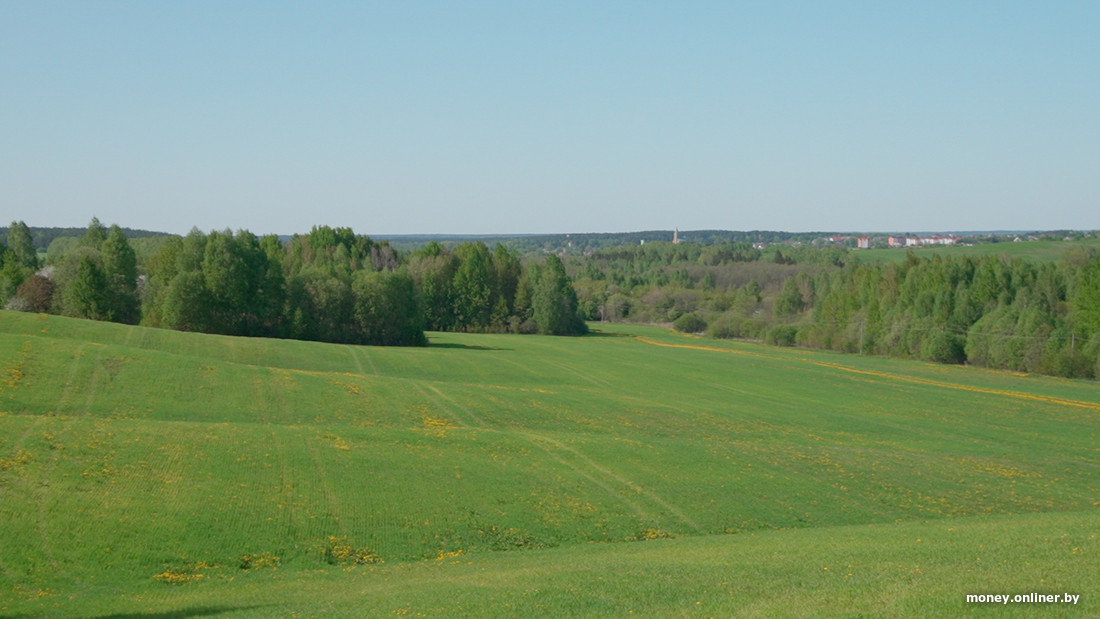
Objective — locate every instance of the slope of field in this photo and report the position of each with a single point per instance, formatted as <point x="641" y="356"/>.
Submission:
<point x="920" y="569"/>
<point x="160" y="471"/>
<point x="1036" y="251"/>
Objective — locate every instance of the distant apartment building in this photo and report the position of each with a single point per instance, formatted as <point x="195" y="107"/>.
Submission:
<point x="938" y="239"/>
<point x="921" y="241"/>
<point x="864" y="242"/>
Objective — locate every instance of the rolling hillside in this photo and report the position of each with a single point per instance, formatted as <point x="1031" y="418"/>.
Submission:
<point x="154" y="471"/>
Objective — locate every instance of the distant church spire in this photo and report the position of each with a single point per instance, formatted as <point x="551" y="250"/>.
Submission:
<point x="676" y="237"/>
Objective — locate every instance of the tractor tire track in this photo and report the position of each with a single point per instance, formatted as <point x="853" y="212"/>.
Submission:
<point x="598" y="382"/>
<point x="16" y="447"/>
<point x="565" y="455"/>
<point x="74" y="366"/>
<point x="356" y="352"/>
<point x="538" y="441"/>
<point x="287" y="506"/>
<point x="442" y="401"/>
<point x="93" y="382"/>
<point x="355" y="359"/>
<point x="885" y="375"/>
<point x="42" y="493"/>
<point x="331" y="504"/>
<point x="636" y="488"/>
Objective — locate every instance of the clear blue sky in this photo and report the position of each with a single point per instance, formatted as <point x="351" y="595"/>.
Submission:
<point x="534" y="117"/>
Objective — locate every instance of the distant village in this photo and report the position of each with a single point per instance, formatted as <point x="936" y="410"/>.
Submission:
<point x="904" y="241"/>
<point x="896" y="241"/>
<point x="865" y="242"/>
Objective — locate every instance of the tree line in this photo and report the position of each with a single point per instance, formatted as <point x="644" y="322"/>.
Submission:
<point x="336" y="286"/>
<point x="329" y="285"/>
<point x="991" y="311"/>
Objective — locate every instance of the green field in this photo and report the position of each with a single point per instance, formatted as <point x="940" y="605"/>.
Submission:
<point x="1036" y="251"/>
<point x="146" y="472"/>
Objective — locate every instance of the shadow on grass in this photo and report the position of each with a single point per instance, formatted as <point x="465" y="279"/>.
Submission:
<point x="198" y="611"/>
<point x="462" y="346"/>
<point x="595" y="332"/>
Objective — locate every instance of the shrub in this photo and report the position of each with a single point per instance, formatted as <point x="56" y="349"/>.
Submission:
<point x="690" y="323"/>
<point x="36" y="292"/>
<point x="781" y="335"/>
<point x="943" y="347"/>
<point x="1071" y="363"/>
<point x="725" y="327"/>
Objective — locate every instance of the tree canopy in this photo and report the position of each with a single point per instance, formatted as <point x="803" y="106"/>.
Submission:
<point x="329" y="285"/>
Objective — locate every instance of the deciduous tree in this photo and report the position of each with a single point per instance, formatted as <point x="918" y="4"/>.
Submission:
<point x="555" y="302"/>
<point x="21" y="246"/>
<point x="120" y="271"/>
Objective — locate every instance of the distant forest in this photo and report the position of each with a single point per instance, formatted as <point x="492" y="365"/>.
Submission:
<point x="41" y="238"/>
<point x="334" y="285"/>
<point x="991" y="311"/>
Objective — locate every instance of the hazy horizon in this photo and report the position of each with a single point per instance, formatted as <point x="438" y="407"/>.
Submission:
<point x="669" y="231"/>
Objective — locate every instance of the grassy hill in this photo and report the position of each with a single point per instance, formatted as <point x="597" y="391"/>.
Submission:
<point x="150" y="471"/>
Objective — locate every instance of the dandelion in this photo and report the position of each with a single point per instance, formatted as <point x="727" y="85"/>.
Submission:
<point x="177" y="577"/>
<point x="21" y="457"/>
<point x="260" y="561"/>
<point x="340" y="551"/>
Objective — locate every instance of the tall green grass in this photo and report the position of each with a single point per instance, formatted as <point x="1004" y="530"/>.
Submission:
<point x="146" y="469"/>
